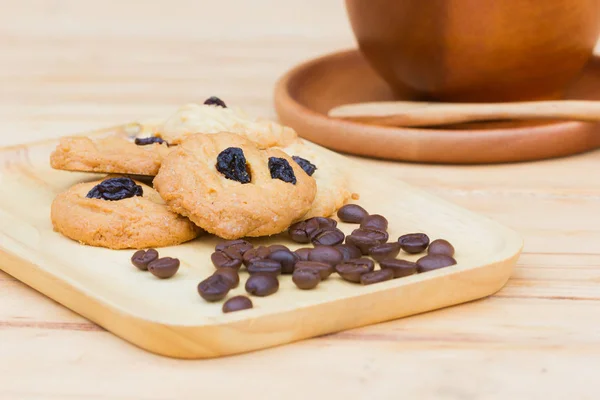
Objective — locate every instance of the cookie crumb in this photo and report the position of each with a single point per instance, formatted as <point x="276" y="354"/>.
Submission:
<point x="355" y="196"/>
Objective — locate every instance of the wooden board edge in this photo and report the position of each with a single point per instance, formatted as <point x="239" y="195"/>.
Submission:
<point x="241" y="336"/>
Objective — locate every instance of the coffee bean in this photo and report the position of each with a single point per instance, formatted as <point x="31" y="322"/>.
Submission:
<point x="325" y="225"/>
<point x="305" y="231"/>
<point x="325" y="222"/>
<point x="306" y="278"/>
<point x="364" y="239"/>
<point x="434" y="261"/>
<point x="264" y="266"/>
<point x="352" y="213"/>
<point x="352" y="270"/>
<point x="324" y="269"/>
<point x="380" y="275"/>
<point x="229" y="243"/>
<point x="329" y="237"/>
<point x="302" y="231"/>
<point x="214" y="288"/>
<point x="237" y="303"/>
<point x="262" y="285"/>
<point x="142" y="258"/>
<point x="375" y="221"/>
<point x="239" y="246"/>
<point x="414" y="243"/>
<point x="441" y="246"/>
<point x="400" y="268"/>
<point x="326" y="254"/>
<point x="385" y="250"/>
<point x="221" y="259"/>
<point x="230" y="274"/>
<point x="348" y="251"/>
<point x="286" y="258"/>
<point x="303" y="253"/>
<point x="164" y="267"/>
<point x="234" y="252"/>
<point x="275" y="247"/>
<point x="255" y="253"/>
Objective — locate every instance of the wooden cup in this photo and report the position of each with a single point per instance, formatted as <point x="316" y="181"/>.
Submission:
<point x="476" y="50"/>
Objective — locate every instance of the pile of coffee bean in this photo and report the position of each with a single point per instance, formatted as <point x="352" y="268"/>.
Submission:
<point x="371" y="239"/>
<point x="148" y="260"/>
<point x="311" y="265"/>
<point x="352" y="257"/>
<point x="264" y="265"/>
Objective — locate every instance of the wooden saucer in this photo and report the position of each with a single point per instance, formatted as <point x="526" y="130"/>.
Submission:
<point x="305" y="94"/>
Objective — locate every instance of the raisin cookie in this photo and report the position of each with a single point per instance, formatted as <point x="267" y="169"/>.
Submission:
<point x="326" y="167"/>
<point x="119" y="213"/>
<point x="229" y="187"/>
<point x="212" y="117"/>
<point x="112" y="154"/>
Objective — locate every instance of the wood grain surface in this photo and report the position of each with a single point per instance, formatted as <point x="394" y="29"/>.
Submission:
<point x="167" y="317"/>
<point x="68" y="66"/>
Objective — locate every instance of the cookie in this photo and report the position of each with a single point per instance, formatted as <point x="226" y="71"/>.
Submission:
<point x="333" y="183"/>
<point x="119" y="214"/>
<point x="205" y="118"/>
<point x="111" y="154"/>
<point x="228" y="186"/>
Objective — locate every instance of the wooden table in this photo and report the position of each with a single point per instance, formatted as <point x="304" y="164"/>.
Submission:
<point x="67" y="66"/>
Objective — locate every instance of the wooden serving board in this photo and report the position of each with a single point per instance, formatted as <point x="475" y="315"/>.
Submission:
<point x="169" y="318"/>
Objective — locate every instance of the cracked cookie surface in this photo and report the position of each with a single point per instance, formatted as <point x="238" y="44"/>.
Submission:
<point x="192" y="185"/>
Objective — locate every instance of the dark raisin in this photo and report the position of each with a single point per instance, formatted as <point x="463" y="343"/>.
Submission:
<point x="115" y="189"/>
<point x="281" y="169"/>
<point x="306" y="165"/>
<point x="149" y="140"/>
<point x="215" y="101"/>
<point x="232" y="163"/>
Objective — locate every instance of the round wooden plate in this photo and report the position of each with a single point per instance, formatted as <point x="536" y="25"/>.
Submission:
<point x="306" y="93"/>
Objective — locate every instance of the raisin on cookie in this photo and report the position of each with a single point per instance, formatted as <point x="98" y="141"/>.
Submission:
<point x="111" y="154"/>
<point x="119" y="213"/>
<point x="229" y="187"/>
<point x="327" y="168"/>
<point x="212" y="118"/>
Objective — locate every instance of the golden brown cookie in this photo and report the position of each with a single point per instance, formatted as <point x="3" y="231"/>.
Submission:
<point x="223" y="183"/>
<point x="328" y="170"/>
<point x="111" y="154"/>
<point x="202" y="118"/>
<point x="133" y="222"/>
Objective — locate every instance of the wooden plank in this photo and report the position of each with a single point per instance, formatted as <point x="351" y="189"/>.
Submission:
<point x="432" y="355"/>
<point x="50" y="49"/>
